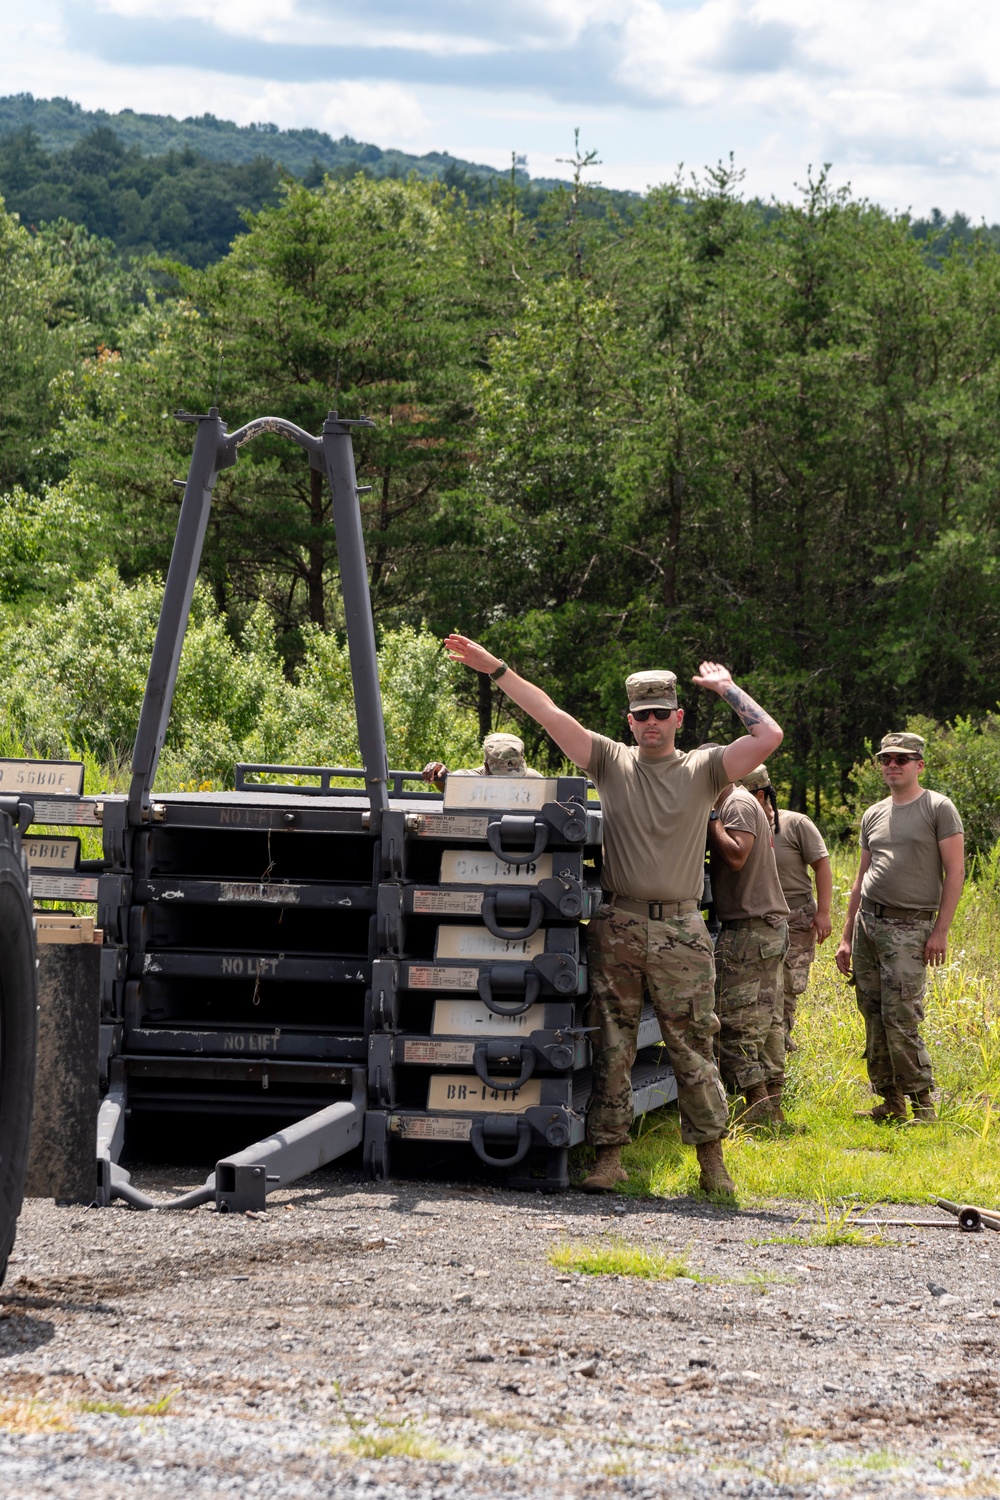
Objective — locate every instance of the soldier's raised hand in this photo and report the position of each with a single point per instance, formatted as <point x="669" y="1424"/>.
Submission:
<point x="470" y="653"/>
<point x="714" y="676"/>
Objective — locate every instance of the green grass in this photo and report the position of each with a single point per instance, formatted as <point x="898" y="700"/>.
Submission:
<point x="617" y="1258"/>
<point x="119" y="1409"/>
<point x="838" y="1158"/>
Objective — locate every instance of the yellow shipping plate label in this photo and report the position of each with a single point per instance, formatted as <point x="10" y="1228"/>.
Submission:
<point x="467" y="1092"/>
<point x="51" y="853"/>
<point x="56" y="777"/>
<point x="471" y="867"/>
<point x="479" y="942"/>
<point x="473" y="1018"/>
<point x="524" y="793"/>
<point x="424" y="1129"/>
<point x="445" y="1054"/>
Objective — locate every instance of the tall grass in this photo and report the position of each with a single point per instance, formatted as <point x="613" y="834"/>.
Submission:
<point x="838" y="1156"/>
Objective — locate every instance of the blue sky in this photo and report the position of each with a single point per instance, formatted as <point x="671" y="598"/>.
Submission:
<point x="901" y="98"/>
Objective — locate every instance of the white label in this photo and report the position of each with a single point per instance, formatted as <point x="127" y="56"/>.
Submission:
<point x="473" y="1018"/>
<point x="64" y="887"/>
<point x="249" y="894"/>
<point x="468" y="867"/>
<point x="436" y="826"/>
<point x="525" y="792"/>
<point x="63" y="813"/>
<point x="457" y="903"/>
<point x="479" y="942"/>
<point x="51" y="853"/>
<point x="432" y="1130"/>
<point x="467" y="1092"/>
<point x="56" y="777"/>
<point x="443" y="1053"/>
<point x="420" y="977"/>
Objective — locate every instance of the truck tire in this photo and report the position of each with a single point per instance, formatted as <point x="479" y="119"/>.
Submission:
<point x="18" y="1030"/>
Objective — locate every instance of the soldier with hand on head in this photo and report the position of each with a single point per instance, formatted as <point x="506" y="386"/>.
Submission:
<point x="503" y="755"/>
<point x="798" y="848"/>
<point x="909" y="881"/>
<point x="648" y="932"/>
<point x="749" y="950"/>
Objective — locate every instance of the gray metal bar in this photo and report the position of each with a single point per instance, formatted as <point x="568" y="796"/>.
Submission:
<point x="172" y="626"/>
<point x="339" y="453"/>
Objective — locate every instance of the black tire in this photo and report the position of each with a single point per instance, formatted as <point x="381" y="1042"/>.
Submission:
<point x="18" y="1030"/>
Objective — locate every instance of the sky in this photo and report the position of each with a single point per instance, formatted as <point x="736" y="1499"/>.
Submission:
<point x="900" y="98"/>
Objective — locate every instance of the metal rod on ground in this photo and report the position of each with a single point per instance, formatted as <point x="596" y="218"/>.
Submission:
<point x="969" y="1216"/>
<point x="907" y="1224"/>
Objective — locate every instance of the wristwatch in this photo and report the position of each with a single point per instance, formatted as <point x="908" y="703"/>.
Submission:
<point x="713" y="815"/>
<point x="498" y="671"/>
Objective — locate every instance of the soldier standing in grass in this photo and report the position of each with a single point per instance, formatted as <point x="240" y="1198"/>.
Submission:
<point x="748" y="954"/>
<point x="908" y="885"/>
<point x="648" y="931"/>
<point x="798" y="848"/>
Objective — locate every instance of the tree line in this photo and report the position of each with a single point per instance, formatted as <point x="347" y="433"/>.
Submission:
<point x="603" y="440"/>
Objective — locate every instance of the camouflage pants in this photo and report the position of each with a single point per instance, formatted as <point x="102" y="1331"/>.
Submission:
<point x="748" y="1001"/>
<point x="890" y="976"/>
<point x="798" y="959"/>
<point x="626" y="955"/>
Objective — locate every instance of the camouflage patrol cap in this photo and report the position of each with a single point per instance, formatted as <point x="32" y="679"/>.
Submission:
<point x="756" y="779"/>
<point x="913" y="744"/>
<point x="504" y="755"/>
<point x="651" y="690"/>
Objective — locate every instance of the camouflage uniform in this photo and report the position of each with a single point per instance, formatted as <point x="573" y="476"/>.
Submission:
<point x="887" y="957"/>
<point x="626" y="953"/>
<point x="748" y="960"/>
<point x="798" y="958"/>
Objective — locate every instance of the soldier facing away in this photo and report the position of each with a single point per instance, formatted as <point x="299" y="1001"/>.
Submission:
<point x="909" y="881"/>
<point x="503" y="755"/>
<point x="748" y="953"/>
<point x="648" y="931"/>
<point x="798" y="848"/>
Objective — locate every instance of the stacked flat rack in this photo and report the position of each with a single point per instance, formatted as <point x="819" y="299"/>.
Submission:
<point x="237" y="967"/>
<point x="478" y="1034"/>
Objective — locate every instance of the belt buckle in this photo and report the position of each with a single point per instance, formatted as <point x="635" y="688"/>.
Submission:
<point x="656" y="911"/>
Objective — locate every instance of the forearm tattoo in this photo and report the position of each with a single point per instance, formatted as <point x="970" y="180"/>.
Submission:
<point x="745" y="708"/>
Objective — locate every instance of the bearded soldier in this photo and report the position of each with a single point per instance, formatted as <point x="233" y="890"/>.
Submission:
<point x="909" y="880"/>
<point x="649" y="932"/>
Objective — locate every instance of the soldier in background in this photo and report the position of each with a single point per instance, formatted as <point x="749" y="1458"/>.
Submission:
<point x="751" y="944"/>
<point x="798" y="848"/>
<point x="909" y="881"/>
<point x="649" y="931"/>
<point x="503" y="755"/>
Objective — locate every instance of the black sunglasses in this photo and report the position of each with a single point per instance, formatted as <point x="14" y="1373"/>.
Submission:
<point x="640" y="715"/>
<point x="897" y="760"/>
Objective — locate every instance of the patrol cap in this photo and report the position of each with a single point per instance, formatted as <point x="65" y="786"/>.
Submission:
<point x="651" y="690"/>
<point x="504" y="754"/>
<point x="755" y="780"/>
<point x="913" y="744"/>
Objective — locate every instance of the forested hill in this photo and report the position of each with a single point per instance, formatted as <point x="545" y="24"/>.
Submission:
<point x="155" y="185"/>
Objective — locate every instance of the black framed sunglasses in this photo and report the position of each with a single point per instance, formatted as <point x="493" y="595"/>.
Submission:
<point x="896" y="760"/>
<point x="640" y="715"/>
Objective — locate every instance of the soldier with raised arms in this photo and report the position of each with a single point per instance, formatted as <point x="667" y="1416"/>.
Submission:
<point x="648" y="932"/>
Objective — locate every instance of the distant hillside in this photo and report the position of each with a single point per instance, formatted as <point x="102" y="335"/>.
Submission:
<point x="60" y="124"/>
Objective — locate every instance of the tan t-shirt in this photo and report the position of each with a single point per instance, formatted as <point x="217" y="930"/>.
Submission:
<point x="798" y="844"/>
<point x="752" y="891"/>
<point x="654" y="814"/>
<point x="903" y="842"/>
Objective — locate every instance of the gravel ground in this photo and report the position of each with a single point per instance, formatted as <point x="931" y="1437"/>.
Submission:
<point x="411" y="1340"/>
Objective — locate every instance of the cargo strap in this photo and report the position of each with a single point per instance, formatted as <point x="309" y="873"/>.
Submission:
<point x="656" y="911"/>
<point x="899" y="913"/>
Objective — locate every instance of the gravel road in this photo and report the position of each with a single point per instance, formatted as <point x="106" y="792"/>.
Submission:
<point x="412" y="1340"/>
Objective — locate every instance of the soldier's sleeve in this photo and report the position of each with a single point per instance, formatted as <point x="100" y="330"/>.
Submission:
<point x="739" y="814"/>
<point x="947" y="819"/>
<point x="601" y="750"/>
<point x="811" y="847"/>
<point x="865" y="833"/>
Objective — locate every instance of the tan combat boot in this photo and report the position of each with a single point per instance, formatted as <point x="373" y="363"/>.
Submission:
<point x="756" y="1106"/>
<point x="714" y="1177"/>
<point x="608" y="1171"/>
<point x="892" y="1109"/>
<point x="923" y="1107"/>
<point x="775" y="1088"/>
